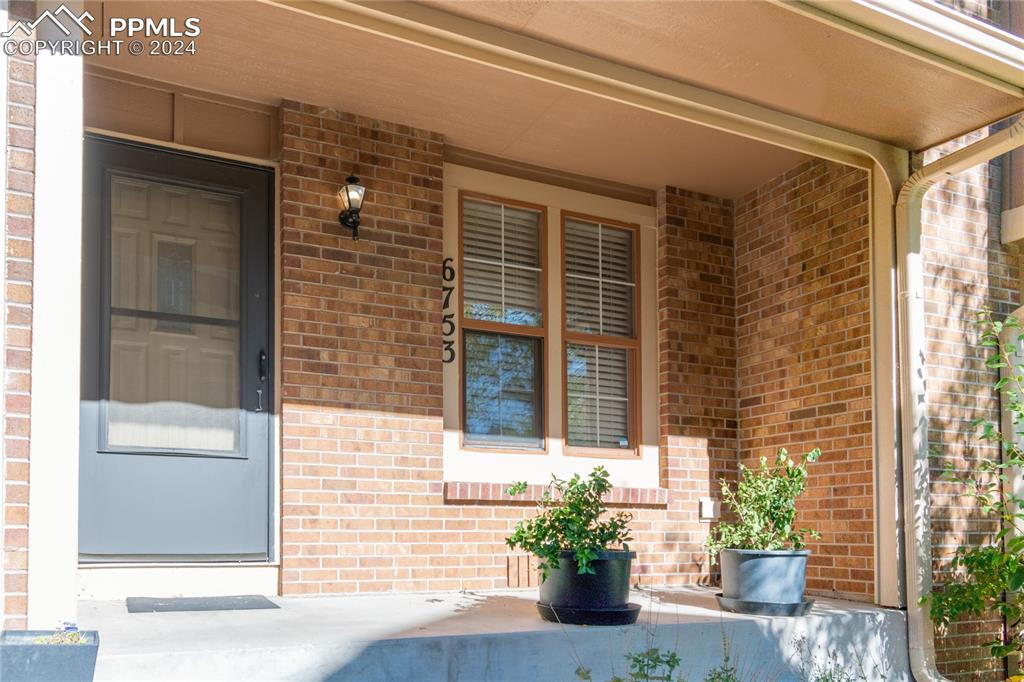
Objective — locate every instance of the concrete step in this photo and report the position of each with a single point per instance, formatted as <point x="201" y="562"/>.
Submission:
<point x="483" y="637"/>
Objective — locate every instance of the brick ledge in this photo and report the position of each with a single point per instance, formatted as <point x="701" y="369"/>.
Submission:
<point x="465" y="492"/>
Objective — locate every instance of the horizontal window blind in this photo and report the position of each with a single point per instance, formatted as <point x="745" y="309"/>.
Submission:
<point x="598" y="400"/>
<point x="599" y="279"/>
<point x="501" y="255"/>
<point x="600" y="288"/>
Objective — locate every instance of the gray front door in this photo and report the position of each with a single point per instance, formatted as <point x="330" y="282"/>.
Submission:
<point x="176" y="366"/>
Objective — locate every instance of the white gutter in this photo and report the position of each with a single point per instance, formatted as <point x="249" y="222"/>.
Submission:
<point x="913" y="393"/>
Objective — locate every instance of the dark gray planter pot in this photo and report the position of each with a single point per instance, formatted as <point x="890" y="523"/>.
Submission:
<point x="23" y="660"/>
<point x="602" y="598"/>
<point x="764" y="581"/>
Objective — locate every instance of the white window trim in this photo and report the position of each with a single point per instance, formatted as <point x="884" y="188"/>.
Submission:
<point x="477" y="465"/>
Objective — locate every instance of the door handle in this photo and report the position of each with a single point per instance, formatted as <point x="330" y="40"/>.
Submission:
<point x="262" y="369"/>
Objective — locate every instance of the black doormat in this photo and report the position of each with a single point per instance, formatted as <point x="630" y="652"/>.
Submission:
<point x="243" y="602"/>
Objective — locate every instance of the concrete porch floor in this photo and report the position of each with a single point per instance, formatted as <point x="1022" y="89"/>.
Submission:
<point x="481" y="636"/>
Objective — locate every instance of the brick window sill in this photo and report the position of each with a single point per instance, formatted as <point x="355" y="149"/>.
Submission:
<point x="466" y="492"/>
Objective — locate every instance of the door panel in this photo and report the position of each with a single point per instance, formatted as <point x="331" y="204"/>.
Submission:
<point x="175" y="453"/>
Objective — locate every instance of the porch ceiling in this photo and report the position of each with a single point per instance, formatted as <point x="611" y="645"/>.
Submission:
<point x="763" y="52"/>
<point x="756" y="51"/>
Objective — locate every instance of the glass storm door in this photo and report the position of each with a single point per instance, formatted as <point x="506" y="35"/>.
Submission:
<point x="176" y="388"/>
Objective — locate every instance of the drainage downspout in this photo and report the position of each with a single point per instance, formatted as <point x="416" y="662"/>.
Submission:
<point x="913" y="388"/>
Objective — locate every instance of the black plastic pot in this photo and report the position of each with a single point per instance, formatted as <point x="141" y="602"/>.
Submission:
<point x="601" y="598"/>
<point x="23" y="659"/>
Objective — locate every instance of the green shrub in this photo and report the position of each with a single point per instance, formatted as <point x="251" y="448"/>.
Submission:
<point x="988" y="578"/>
<point x="572" y="517"/>
<point x="764" y="504"/>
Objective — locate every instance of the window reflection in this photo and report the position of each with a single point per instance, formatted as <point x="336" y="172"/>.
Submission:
<point x="502" y="404"/>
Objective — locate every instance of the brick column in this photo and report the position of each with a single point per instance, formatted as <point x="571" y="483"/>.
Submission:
<point x="697" y="368"/>
<point x="361" y="365"/>
<point x="18" y="327"/>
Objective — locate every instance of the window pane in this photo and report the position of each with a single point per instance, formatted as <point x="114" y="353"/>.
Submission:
<point x="581" y="382"/>
<point x="616" y="310"/>
<point x="616" y="254"/>
<point x="614" y="423"/>
<point x="177" y="391"/>
<point x="614" y="372"/>
<point x="598" y="396"/>
<point x="502" y="405"/>
<point x="599" y="279"/>
<point x="522" y="237"/>
<point x="174" y="268"/>
<point x="174" y="340"/>
<point x="522" y="296"/>
<point x="481" y="230"/>
<point x="581" y="252"/>
<point x="582" y="305"/>
<point x="501" y="263"/>
<point x="481" y="297"/>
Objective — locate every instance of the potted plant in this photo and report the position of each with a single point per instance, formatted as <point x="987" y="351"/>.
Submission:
<point x="764" y="563"/>
<point x="584" y="559"/>
<point x="67" y="654"/>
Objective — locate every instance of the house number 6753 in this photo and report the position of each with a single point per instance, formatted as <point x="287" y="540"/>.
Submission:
<point x="448" y="321"/>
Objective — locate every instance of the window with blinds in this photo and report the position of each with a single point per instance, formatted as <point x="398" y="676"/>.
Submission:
<point x="501" y="263"/>
<point x="502" y="324"/>
<point x="601" y="343"/>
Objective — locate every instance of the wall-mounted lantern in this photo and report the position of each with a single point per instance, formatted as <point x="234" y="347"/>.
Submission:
<point x="350" y="201"/>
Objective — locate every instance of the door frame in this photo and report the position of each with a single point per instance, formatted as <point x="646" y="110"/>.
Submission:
<point x="194" y="577"/>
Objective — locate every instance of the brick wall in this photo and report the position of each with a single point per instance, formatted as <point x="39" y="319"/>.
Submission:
<point x="18" y="328"/>
<point x="803" y="355"/>
<point x="361" y="388"/>
<point x="697" y="360"/>
<point x="364" y="504"/>
<point x="966" y="268"/>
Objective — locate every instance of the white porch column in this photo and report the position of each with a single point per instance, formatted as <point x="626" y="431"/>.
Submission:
<point x="56" y="349"/>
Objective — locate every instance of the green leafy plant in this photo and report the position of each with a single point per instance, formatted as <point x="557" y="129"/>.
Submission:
<point x="572" y="517"/>
<point x="764" y="503"/>
<point x="987" y="578"/>
<point x="650" y="665"/>
<point x="654" y="665"/>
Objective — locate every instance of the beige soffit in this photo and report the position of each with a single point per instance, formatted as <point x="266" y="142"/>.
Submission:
<point x="268" y="52"/>
<point x="768" y="54"/>
<point x="932" y="31"/>
<point x="484" y="44"/>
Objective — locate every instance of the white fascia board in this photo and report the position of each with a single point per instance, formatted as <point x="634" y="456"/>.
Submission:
<point x="931" y="32"/>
